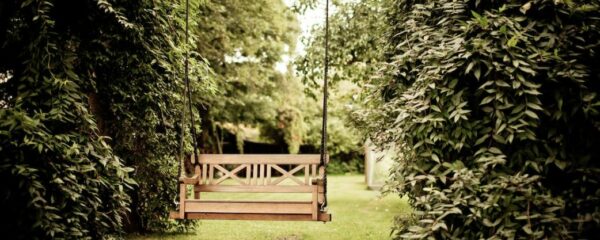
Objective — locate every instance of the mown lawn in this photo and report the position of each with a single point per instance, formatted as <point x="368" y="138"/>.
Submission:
<point x="357" y="214"/>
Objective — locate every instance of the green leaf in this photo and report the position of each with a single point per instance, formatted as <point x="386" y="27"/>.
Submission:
<point x="560" y="164"/>
<point x="487" y="100"/>
<point x="531" y="114"/>
<point x="495" y="150"/>
<point x="477" y="73"/>
<point x="534" y="106"/>
<point x="481" y="139"/>
<point x="527" y="229"/>
<point x="435" y="158"/>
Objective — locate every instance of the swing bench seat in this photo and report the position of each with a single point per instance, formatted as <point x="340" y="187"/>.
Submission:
<point x="254" y="173"/>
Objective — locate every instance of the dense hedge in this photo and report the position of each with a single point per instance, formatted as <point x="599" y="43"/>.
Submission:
<point x="72" y="72"/>
<point x="60" y="179"/>
<point x="495" y="106"/>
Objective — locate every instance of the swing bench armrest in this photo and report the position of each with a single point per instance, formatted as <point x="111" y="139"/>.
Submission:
<point x="186" y="180"/>
<point x="191" y="180"/>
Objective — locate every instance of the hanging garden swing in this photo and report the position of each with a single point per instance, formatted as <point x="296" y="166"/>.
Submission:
<point x="256" y="173"/>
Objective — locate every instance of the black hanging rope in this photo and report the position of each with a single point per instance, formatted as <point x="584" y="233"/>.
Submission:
<point x="325" y="96"/>
<point x="181" y="136"/>
<point x="187" y="93"/>
<point x="187" y="80"/>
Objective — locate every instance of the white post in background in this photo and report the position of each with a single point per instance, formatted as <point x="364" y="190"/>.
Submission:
<point x="378" y="163"/>
<point x="369" y="155"/>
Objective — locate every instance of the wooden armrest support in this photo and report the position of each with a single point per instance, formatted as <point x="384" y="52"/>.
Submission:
<point x="193" y="180"/>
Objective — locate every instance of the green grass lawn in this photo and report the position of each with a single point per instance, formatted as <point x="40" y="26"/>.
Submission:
<point x="357" y="214"/>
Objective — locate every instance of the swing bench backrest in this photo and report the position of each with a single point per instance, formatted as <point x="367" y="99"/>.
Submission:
<point x="254" y="173"/>
<point x="257" y="173"/>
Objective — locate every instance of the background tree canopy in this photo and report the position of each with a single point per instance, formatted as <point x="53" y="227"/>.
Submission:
<point x="243" y="43"/>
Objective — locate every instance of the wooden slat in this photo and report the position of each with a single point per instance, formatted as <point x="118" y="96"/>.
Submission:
<point x="314" y="171"/>
<point x="248" y="174"/>
<point x="315" y="202"/>
<point x="259" y="158"/>
<point x="254" y="189"/>
<point x="287" y="175"/>
<point x="323" y="217"/>
<point x="229" y="174"/>
<point x="224" y="176"/>
<point x="203" y="206"/>
<point x="268" y="174"/>
<point x="254" y="174"/>
<point x="211" y="171"/>
<point x="306" y="174"/>
<point x="261" y="175"/>
<point x="182" y="200"/>
<point x="204" y="170"/>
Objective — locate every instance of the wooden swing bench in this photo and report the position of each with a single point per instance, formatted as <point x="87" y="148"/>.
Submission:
<point x="261" y="173"/>
<point x="254" y="173"/>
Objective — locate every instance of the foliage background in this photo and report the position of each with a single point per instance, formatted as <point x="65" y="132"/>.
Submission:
<point x="74" y="99"/>
<point x="495" y="108"/>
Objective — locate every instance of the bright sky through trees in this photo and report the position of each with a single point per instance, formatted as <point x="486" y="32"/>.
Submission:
<point x="307" y="21"/>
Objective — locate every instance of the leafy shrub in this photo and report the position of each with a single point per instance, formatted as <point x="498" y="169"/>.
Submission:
<point x="140" y="104"/>
<point x="72" y="72"/>
<point x="344" y="163"/>
<point x="495" y="105"/>
<point x="60" y="178"/>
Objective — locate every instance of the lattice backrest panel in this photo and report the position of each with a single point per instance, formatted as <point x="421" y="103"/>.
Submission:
<point x="258" y="170"/>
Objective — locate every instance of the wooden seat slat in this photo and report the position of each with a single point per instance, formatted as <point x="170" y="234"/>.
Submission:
<point x="323" y="217"/>
<point x="253" y="189"/>
<point x="248" y="207"/>
<point x="246" y="201"/>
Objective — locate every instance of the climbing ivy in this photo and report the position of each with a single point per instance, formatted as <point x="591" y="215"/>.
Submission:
<point x="87" y="88"/>
<point x="494" y="106"/>
<point x="60" y="177"/>
<point x="141" y="103"/>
